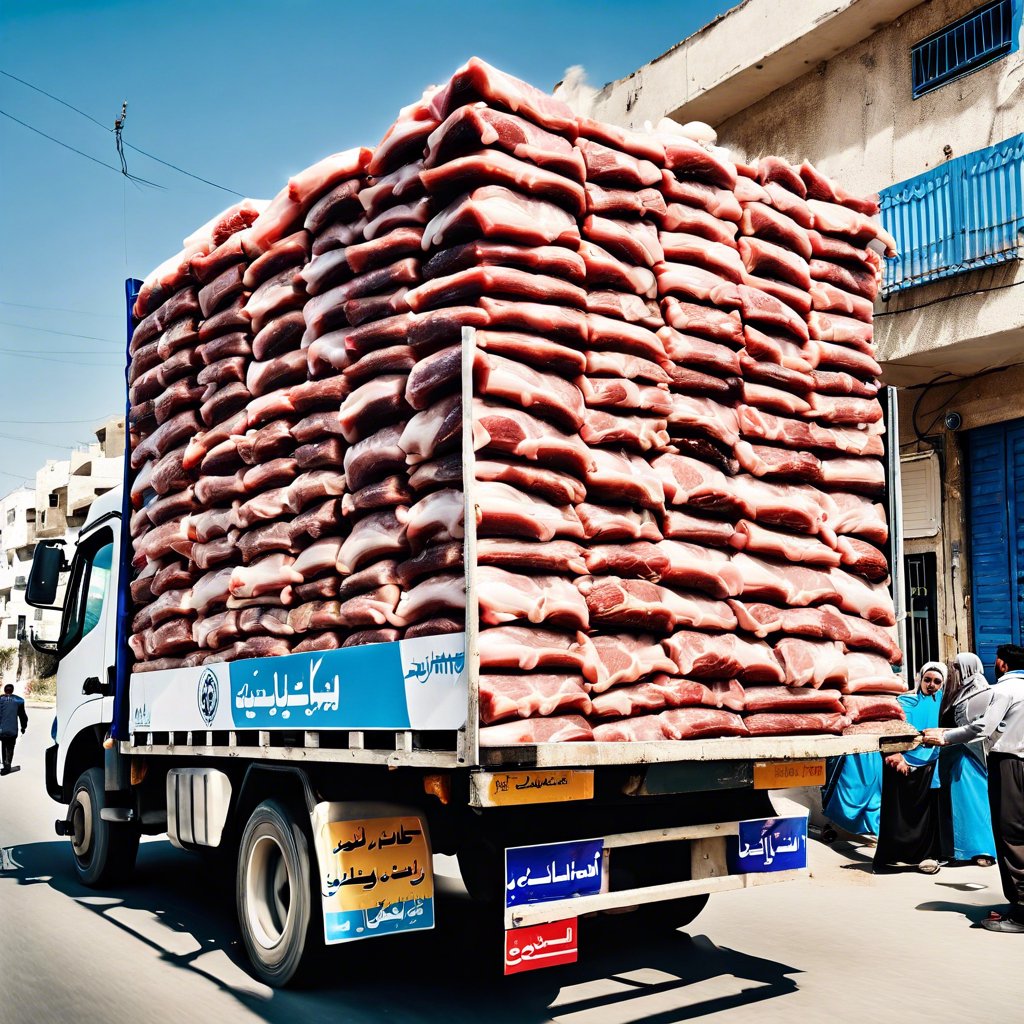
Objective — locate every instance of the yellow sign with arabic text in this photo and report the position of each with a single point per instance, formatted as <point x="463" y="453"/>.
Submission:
<point x="789" y="774"/>
<point x="507" y="789"/>
<point x="379" y="862"/>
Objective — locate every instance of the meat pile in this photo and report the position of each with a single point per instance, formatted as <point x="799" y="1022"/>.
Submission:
<point x="674" y="416"/>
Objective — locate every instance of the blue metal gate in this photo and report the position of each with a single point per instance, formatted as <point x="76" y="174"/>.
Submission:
<point x="996" y="533"/>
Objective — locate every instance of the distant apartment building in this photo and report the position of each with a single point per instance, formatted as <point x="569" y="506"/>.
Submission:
<point x="54" y="509"/>
<point x="920" y="102"/>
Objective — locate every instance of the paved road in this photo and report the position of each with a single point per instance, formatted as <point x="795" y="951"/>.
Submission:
<point x="843" y="943"/>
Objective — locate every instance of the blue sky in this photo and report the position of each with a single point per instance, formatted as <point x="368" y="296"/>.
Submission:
<point x="242" y="94"/>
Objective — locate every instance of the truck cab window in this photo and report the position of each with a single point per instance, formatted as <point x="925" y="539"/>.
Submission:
<point x="90" y="579"/>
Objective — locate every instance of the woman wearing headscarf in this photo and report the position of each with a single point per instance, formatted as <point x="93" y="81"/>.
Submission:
<point x="966" y="820"/>
<point x="909" y="828"/>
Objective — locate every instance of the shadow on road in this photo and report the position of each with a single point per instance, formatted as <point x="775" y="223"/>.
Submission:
<point x="971" y="911"/>
<point x="183" y="912"/>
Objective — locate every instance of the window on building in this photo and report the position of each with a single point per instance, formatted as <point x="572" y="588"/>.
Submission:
<point x="11" y="514"/>
<point x="977" y="39"/>
<point x="922" y="610"/>
<point x="12" y="632"/>
<point x="53" y="499"/>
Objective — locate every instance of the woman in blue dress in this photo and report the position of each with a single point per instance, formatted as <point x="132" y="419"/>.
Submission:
<point x="908" y="831"/>
<point x="966" y="821"/>
<point x="853" y="795"/>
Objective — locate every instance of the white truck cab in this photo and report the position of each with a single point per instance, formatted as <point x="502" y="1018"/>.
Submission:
<point x="78" y="767"/>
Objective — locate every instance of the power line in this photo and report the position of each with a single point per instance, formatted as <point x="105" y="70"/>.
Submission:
<point x="38" y="423"/>
<point x="181" y="170"/>
<point x="159" y="160"/>
<point x="57" y="352"/>
<point x="63" y="334"/>
<point x="109" y="167"/>
<point x="13" y="353"/>
<point x="42" y="444"/>
<point x="59" y="309"/>
<point x="948" y="298"/>
<point x="56" y="99"/>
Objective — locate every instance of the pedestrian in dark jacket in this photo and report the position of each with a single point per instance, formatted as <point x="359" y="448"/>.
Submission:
<point x="12" y="713"/>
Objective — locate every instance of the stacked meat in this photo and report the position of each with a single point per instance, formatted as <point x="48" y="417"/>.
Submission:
<point x="677" y="441"/>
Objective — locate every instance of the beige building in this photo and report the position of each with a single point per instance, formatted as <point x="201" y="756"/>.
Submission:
<point x="55" y="508"/>
<point x="922" y="103"/>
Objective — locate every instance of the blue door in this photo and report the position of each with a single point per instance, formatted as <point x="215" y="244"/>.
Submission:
<point x="996" y="533"/>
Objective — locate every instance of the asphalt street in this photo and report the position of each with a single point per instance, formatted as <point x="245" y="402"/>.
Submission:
<point x="165" y="947"/>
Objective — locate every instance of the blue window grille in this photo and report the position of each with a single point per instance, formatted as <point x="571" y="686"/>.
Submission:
<point x="977" y="39"/>
<point x="963" y="215"/>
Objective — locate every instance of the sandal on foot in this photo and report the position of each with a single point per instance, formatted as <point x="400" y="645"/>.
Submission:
<point x="1003" y="924"/>
<point x="984" y="861"/>
<point x="929" y="867"/>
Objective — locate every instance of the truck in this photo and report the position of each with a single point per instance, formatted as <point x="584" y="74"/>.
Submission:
<point x="329" y="781"/>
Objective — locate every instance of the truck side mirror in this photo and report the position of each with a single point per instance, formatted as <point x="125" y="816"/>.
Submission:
<point x="47" y="564"/>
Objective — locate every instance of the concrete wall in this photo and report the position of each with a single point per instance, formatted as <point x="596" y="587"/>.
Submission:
<point x="741" y="57"/>
<point x="20" y="507"/>
<point x="846" y="105"/>
<point x="111" y="436"/>
<point x="854" y="117"/>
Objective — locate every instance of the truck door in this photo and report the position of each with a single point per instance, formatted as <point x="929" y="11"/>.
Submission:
<point x="86" y="647"/>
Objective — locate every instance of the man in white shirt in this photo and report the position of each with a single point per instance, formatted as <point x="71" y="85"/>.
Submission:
<point x="1001" y="727"/>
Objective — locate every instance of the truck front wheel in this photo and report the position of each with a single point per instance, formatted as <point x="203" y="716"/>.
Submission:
<point x="273" y="892"/>
<point x="104" y="851"/>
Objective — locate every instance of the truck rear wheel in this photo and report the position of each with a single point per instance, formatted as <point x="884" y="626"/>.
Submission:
<point x="274" y="896"/>
<point x="104" y="851"/>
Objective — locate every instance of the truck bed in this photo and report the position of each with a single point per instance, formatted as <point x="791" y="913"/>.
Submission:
<point x="413" y="702"/>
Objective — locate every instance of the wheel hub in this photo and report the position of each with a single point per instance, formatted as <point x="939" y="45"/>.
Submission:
<point x="81" y="824"/>
<point x="268" y="892"/>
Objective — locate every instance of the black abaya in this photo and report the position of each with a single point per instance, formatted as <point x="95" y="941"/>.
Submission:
<point x="909" y="828"/>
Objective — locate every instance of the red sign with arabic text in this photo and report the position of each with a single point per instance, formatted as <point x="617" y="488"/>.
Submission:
<point x="541" y="945"/>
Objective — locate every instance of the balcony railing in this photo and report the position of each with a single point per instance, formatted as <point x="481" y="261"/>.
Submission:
<point x="965" y="214"/>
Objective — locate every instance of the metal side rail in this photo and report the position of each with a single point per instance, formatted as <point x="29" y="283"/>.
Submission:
<point x="394" y="749"/>
<point x="708" y="870"/>
<point x="741" y="748"/>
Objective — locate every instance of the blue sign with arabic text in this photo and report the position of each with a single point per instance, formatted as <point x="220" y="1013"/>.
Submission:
<point x="408" y="684"/>
<point x="768" y="844"/>
<point x="554" y="871"/>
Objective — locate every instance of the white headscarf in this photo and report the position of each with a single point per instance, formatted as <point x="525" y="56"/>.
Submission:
<point x="930" y="666"/>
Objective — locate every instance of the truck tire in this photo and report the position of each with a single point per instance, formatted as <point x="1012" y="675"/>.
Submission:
<point x="104" y="851"/>
<point x="274" y="895"/>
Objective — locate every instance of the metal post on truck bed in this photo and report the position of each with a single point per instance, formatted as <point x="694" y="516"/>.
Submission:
<point x="894" y="494"/>
<point x="469" y="735"/>
<point x="119" y="727"/>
